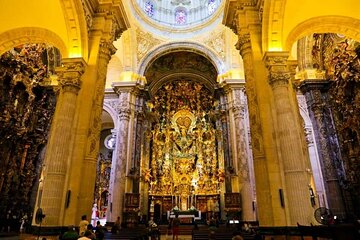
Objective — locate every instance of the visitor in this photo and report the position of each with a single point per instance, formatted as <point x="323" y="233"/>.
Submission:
<point x="87" y="235"/>
<point x="238" y="237"/>
<point x="83" y="225"/>
<point x="175" y="227"/>
<point x="116" y="228"/>
<point x="91" y="229"/>
<point x="70" y="234"/>
<point x="99" y="231"/>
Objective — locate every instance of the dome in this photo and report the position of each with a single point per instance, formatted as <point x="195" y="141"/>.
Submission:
<point x="177" y="14"/>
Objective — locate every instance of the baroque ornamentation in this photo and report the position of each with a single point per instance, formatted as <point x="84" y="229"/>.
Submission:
<point x="184" y="159"/>
<point x="145" y="41"/>
<point x="342" y="66"/>
<point x="243" y="43"/>
<point x="218" y="44"/>
<point x="88" y="15"/>
<point x="181" y="62"/>
<point x="70" y="72"/>
<point x="27" y="106"/>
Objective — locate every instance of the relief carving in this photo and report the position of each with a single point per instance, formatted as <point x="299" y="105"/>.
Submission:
<point x="145" y="42"/>
<point x="218" y="44"/>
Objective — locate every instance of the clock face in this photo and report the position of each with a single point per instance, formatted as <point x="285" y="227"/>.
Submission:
<point x="110" y="142"/>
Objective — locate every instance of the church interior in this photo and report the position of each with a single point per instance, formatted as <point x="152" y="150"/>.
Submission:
<point x="242" y="111"/>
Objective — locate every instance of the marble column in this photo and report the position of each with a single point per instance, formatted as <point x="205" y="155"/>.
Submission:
<point x="327" y="142"/>
<point x="237" y="107"/>
<point x="52" y="195"/>
<point x="144" y="186"/>
<point x="264" y="202"/>
<point x="86" y="197"/>
<point x="137" y="142"/>
<point x="124" y="108"/>
<point x="291" y="141"/>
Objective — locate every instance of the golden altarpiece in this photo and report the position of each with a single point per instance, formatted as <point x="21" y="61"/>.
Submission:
<point x="186" y="168"/>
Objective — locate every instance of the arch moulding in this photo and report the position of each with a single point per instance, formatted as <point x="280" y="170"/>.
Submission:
<point x="107" y="107"/>
<point x="328" y="24"/>
<point x="181" y="46"/>
<point x="18" y="36"/>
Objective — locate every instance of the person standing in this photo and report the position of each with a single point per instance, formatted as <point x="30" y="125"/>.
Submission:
<point x="83" y="225"/>
<point x="99" y="231"/>
<point x="175" y="227"/>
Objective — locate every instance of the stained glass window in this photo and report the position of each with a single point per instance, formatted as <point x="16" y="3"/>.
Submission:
<point x="149" y="8"/>
<point x="211" y="6"/>
<point x="180" y="16"/>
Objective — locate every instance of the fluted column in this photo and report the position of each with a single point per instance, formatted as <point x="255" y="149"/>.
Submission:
<point x="237" y="107"/>
<point x="86" y="197"/>
<point x="293" y="157"/>
<point x="329" y="151"/>
<point x="52" y="195"/>
<point x="264" y="203"/>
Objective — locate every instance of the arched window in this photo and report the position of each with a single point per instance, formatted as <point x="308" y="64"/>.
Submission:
<point x="149" y="8"/>
<point x="180" y="16"/>
<point x="211" y="6"/>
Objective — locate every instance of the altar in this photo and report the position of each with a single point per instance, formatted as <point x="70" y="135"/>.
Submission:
<point x="185" y="216"/>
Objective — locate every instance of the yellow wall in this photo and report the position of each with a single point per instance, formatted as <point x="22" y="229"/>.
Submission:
<point x="320" y="15"/>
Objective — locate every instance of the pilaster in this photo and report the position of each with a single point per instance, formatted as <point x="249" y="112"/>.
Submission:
<point x="294" y="159"/>
<point x="235" y="90"/>
<point x="127" y="92"/>
<point x="86" y="198"/>
<point x="51" y="197"/>
<point x="263" y="191"/>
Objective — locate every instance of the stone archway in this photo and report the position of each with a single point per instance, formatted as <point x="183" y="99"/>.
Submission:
<point x="178" y="47"/>
<point x="18" y="36"/>
<point x="325" y="24"/>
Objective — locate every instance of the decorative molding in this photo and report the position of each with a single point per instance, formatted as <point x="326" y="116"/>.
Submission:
<point x="145" y="42"/>
<point x="70" y="73"/>
<point x="218" y="44"/>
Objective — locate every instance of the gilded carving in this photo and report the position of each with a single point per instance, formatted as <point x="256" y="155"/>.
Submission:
<point x="184" y="159"/>
<point x="27" y="106"/>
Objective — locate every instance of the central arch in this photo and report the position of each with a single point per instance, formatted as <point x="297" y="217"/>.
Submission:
<point x="178" y="47"/>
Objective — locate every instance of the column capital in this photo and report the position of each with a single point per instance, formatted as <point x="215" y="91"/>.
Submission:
<point x="106" y="49"/>
<point x="233" y="84"/>
<point x="276" y="63"/>
<point x="244" y="43"/>
<point x="70" y="73"/>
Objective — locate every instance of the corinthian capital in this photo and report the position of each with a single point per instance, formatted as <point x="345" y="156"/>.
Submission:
<point x="106" y="49"/>
<point x="279" y="79"/>
<point x="243" y="44"/>
<point x="70" y="73"/>
<point x="276" y="63"/>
